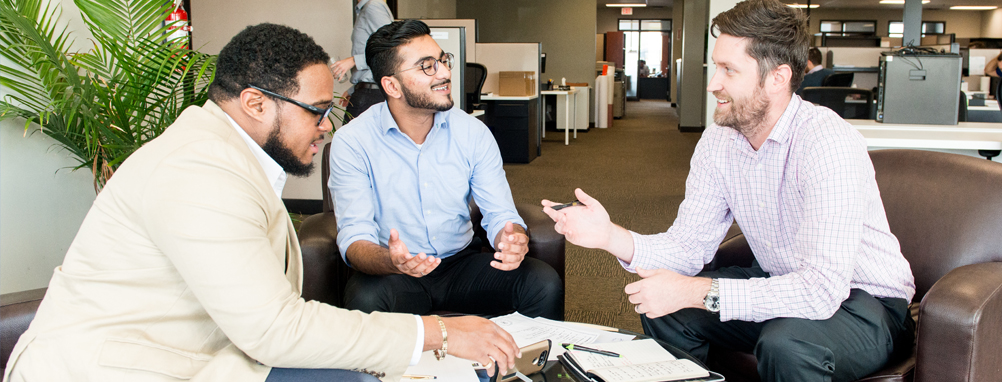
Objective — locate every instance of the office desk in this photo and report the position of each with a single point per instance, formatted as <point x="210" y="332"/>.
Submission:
<point x="570" y="114"/>
<point x="514" y="122"/>
<point x="988" y="113"/>
<point x="963" y="136"/>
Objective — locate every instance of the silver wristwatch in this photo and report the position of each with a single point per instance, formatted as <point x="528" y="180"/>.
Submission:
<point x="712" y="299"/>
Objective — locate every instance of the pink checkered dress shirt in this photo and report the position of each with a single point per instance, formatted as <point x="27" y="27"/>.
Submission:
<point x="809" y="206"/>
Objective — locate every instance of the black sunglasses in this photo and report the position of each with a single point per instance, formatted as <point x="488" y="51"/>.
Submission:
<point x="323" y="113"/>
<point x="430" y="65"/>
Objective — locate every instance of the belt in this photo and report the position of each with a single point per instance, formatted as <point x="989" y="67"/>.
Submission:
<point x="367" y="85"/>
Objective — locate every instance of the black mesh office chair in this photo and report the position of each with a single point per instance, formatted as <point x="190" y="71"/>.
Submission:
<point x="835" y="98"/>
<point x="838" y="80"/>
<point x="962" y="108"/>
<point x="476" y="74"/>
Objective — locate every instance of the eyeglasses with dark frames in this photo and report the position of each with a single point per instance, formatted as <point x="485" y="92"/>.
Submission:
<point x="430" y="65"/>
<point x="323" y="113"/>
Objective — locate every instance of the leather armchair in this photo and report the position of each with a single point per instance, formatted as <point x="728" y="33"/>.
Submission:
<point x="946" y="211"/>
<point x="16" y="312"/>
<point x="325" y="274"/>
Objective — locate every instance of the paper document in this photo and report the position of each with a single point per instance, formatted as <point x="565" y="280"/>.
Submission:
<point x="639" y="361"/>
<point x="527" y="331"/>
<point x="450" y="369"/>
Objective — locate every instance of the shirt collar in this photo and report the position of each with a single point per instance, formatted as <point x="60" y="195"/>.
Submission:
<point x="782" y="131"/>
<point x="816" y="68"/>
<point x="441" y="117"/>
<point x="272" y="170"/>
<point x="358" y="7"/>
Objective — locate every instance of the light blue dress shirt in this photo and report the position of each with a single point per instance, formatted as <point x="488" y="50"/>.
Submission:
<point x="380" y="179"/>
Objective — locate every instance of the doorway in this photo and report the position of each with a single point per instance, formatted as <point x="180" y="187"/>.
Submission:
<point x="648" y="41"/>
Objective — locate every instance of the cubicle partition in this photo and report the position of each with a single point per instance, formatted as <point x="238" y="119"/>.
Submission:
<point x="862" y="62"/>
<point x="515" y="121"/>
<point x="453" y="40"/>
<point x="470" y="26"/>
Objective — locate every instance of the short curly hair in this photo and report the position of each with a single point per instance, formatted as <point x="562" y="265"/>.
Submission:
<point x="269" y="56"/>
<point x="777" y="32"/>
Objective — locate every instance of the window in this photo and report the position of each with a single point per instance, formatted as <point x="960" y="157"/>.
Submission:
<point x="897" y="28"/>
<point x="848" y="27"/>
<point x="645" y="25"/>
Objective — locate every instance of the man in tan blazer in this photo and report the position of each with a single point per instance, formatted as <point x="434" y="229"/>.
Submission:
<point x="187" y="265"/>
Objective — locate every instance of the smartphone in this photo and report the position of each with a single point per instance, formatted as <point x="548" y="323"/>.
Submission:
<point x="559" y="207"/>
<point x="533" y="359"/>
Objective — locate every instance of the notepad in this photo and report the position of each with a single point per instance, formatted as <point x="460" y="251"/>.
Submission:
<point x="639" y="361"/>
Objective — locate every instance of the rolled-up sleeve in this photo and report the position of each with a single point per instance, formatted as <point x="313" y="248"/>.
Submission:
<point x="490" y="187"/>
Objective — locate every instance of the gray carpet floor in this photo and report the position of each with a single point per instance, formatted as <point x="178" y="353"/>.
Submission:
<point x="637" y="170"/>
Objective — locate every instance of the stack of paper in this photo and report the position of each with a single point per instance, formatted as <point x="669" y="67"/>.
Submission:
<point x="527" y="331"/>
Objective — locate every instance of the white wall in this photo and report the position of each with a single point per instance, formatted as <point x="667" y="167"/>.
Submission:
<point x="329" y="22"/>
<point x="41" y="203"/>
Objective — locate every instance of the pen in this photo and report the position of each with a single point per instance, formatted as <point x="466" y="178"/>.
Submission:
<point x="565" y="205"/>
<point x="411" y="376"/>
<point x="590" y="350"/>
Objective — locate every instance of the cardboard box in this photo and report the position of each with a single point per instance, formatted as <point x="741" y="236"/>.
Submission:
<point x="516" y="83"/>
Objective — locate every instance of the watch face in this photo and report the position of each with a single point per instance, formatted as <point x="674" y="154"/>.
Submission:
<point x="712" y="303"/>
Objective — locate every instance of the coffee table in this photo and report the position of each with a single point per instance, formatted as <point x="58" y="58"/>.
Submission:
<point x="554" y="371"/>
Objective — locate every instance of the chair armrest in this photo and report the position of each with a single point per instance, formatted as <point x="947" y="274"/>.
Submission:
<point x="324" y="272"/>
<point x="733" y="251"/>
<point x="544" y="242"/>
<point x="17" y="310"/>
<point x="960" y="319"/>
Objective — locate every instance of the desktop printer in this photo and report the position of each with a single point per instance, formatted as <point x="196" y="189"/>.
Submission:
<point x="919" y="86"/>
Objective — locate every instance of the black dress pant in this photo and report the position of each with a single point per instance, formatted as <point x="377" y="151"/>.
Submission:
<point x="361" y="100"/>
<point x="464" y="283"/>
<point x="856" y="341"/>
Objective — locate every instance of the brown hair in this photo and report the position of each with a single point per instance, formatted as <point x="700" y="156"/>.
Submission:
<point x="777" y="32"/>
<point x="814" y="56"/>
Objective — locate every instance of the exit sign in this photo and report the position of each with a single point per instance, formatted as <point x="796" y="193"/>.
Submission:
<point x="626" y="11"/>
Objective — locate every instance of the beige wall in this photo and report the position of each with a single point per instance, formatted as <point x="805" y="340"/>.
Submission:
<point x="607" y="19"/>
<point x="329" y="22"/>
<point x="565" y="28"/>
<point x="965" y="24"/>
<point x="991" y="23"/>
<point x="426" y="9"/>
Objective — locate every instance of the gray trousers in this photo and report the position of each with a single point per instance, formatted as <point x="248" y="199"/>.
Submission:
<point x="317" y="375"/>
<point x="856" y="341"/>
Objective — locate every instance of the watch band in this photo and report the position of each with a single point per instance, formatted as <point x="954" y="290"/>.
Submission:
<point x="441" y="353"/>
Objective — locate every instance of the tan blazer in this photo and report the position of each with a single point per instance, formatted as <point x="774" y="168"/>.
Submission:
<point x="187" y="267"/>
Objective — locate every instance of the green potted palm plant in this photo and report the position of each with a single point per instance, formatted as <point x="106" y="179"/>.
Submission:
<point x="101" y="104"/>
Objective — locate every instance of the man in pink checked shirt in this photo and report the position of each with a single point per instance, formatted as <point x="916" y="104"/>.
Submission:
<point x="827" y="296"/>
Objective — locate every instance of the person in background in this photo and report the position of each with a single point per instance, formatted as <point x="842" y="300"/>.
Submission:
<point x="187" y="266"/>
<point x="642" y="70"/>
<point x="815" y="72"/>
<point x="826" y="298"/>
<point x="402" y="177"/>
<point x="364" y="93"/>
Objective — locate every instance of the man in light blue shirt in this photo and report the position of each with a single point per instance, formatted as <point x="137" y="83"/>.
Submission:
<point x="403" y="174"/>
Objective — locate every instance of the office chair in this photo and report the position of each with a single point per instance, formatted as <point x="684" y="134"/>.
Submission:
<point x="838" y="79"/>
<point x="949" y="234"/>
<point x="835" y="98"/>
<point x="962" y="109"/>
<point x="476" y="74"/>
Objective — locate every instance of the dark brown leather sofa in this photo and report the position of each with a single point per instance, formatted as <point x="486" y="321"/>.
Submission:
<point x="946" y="211"/>
<point x="325" y="274"/>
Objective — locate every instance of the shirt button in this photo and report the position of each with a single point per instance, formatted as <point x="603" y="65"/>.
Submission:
<point x="759" y="167"/>
<point x="761" y="204"/>
<point x="426" y="184"/>
<point x="768" y="244"/>
<point x="427" y="212"/>
<point x="434" y="238"/>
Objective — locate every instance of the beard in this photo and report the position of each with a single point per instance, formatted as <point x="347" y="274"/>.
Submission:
<point x="746" y="116"/>
<point x="424" y="101"/>
<point x="283" y="155"/>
